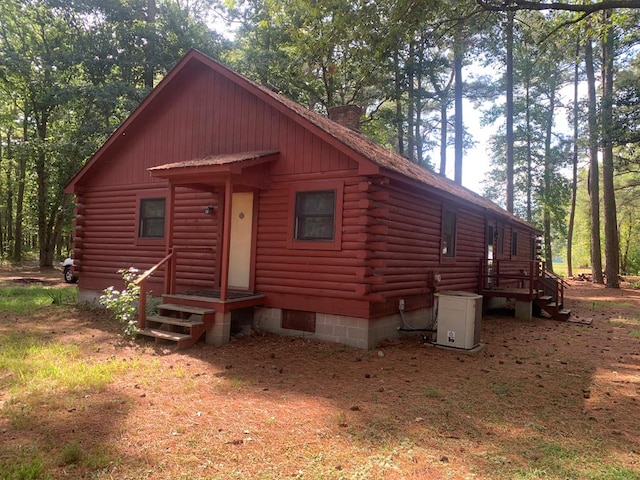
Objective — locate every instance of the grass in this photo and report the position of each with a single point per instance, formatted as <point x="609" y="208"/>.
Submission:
<point x="25" y="300"/>
<point x="555" y="460"/>
<point x="24" y="469"/>
<point x="33" y="365"/>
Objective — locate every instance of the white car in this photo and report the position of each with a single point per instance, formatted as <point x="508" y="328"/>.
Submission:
<point x="67" y="271"/>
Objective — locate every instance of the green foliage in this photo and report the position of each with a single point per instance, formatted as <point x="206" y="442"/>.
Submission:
<point x="39" y="366"/>
<point x="71" y="72"/>
<point x="30" y="469"/>
<point x="124" y="303"/>
<point x="28" y="299"/>
<point x="71" y="454"/>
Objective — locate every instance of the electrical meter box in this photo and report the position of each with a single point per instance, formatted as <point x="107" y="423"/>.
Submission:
<point x="459" y="319"/>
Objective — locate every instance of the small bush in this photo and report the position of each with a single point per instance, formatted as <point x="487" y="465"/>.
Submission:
<point x="71" y="454"/>
<point x="124" y="303"/>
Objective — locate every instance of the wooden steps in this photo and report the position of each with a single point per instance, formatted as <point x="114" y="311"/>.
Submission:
<point x="182" y="324"/>
<point x="555" y="311"/>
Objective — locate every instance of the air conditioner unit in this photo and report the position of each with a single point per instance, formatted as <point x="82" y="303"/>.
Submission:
<point x="459" y="319"/>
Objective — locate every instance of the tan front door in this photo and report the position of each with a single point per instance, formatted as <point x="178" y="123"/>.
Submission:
<point x="241" y="239"/>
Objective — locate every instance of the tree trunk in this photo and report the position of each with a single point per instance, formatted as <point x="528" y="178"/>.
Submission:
<point x="459" y="125"/>
<point x="443" y="135"/>
<point x="22" y="179"/>
<point x="398" y="100"/>
<point x="529" y="149"/>
<point x="411" y="102"/>
<point x="149" y="70"/>
<point x="509" y="112"/>
<point x="611" y="240"/>
<point x="2" y="226"/>
<point x="548" y="173"/>
<point x="417" y="136"/>
<point x="574" y="176"/>
<point x="594" y="177"/>
<point x="45" y="256"/>
<point x="10" y="186"/>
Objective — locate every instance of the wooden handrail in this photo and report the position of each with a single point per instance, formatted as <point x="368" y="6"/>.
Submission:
<point x="169" y="280"/>
<point x="150" y="272"/>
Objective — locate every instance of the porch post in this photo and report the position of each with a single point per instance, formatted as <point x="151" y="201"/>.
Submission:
<point x="226" y="239"/>
<point x="169" y="213"/>
<point x="170" y="267"/>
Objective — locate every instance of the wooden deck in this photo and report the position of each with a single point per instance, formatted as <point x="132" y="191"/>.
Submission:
<point x="525" y="282"/>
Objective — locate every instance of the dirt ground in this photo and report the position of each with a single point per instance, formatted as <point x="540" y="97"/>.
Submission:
<point x="542" y="396"/>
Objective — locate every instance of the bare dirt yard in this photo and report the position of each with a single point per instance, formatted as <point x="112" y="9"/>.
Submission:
<point x="543" y="399"/>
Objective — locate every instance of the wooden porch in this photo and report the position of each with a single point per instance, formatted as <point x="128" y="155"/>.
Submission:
<point x="534" y="288"/>
<point x="184" y="318"/>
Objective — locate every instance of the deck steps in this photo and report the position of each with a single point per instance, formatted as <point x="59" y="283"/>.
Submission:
<point x="184" y="309"/>
<point x="174" y="321"/>
<point x="555" y="311"/>
<point x="182" y="324"/>
<point x="164" y="335"/>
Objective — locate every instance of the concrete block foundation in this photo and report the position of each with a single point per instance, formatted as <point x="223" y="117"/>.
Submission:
<point x="352" y="331"/>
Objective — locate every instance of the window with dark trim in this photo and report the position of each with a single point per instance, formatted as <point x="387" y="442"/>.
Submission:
<point x="448" y="234"/>
<point x="514" y="243"/>
<point x="152" y="216"/>
<point x="315" y="213"/>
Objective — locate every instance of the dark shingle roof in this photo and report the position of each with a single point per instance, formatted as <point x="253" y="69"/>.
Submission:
<point x="389" y="160"/>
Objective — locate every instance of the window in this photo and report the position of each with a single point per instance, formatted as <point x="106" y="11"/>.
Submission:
<point x="501" y="240"/>
<point x="152" y="214"/>
<point x="514" y="244"/>
<point x="315" y="215"/>
<point x="448" y="234"/>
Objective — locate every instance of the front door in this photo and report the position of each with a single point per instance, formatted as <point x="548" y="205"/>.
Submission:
<point x="241" y="240"/>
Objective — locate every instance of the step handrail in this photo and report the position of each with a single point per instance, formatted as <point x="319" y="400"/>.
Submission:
<point x="141" y="282"/>
<point x="557" y="277"/>
<point x="169" y="279"/>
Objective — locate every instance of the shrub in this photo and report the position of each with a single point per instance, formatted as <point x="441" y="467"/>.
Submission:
<point x="124" y="303"/>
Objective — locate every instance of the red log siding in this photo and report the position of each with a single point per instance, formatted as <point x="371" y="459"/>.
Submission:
<point x="329" y="281"/>
<point x="106" y="237"/>
<point x="413" y="242"/>
<point x="212" y="116"/>
<point x="390" y="249"/>
<point x="391" y="234"/>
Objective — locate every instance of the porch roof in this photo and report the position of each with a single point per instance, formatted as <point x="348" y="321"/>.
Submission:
<point x="215" y="169"/>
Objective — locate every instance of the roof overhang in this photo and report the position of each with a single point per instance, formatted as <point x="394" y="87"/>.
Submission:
<point x="210" y="171"/>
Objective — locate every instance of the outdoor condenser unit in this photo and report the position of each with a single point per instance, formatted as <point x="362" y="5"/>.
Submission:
<point x="459" y="319"/>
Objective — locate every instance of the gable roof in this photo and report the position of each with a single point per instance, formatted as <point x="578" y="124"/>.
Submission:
<point x="372" y="158"/>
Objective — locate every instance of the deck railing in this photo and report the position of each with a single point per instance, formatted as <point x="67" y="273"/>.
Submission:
<point x="169" y="283"/>
<point x="529" y="277"/>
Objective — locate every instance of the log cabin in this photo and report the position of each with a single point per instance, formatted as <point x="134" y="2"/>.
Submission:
<point x="243" y="208"/>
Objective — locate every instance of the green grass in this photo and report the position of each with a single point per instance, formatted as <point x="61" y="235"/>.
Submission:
<point x="32" y="364"/>
<point x="25" y="300"/>
<point x="25" y="469"/>
<point x="433" y="392"/>
<point x="560" y="459"/>
<point x="71" y="454"/>
<point x="560" y="268"/>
